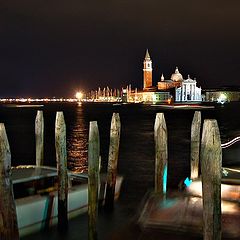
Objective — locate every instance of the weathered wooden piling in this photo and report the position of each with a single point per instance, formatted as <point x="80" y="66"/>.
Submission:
<point x="99" y="178"/>
<point x="93" y="179"/>
<point x="112" y="160"/>
<point x="101" y="185"/>
<point x="61" y="157"/>
<point x="39" y="136"/>
<point x="8" y="216"/>
<point x="211" y="165"/>
<point x="195" y="145"/>
<point x="161" y="154"/>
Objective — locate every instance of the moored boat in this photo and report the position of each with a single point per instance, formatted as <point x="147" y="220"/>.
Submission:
<point x="36" y="197"/>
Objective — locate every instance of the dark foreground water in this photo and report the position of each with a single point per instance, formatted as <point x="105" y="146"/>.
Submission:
<point x="136" y="157"/>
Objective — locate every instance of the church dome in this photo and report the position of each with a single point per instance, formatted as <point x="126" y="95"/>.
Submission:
<point x="177" y="76"/>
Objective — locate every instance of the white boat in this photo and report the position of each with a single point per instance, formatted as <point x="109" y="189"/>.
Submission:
<point x="36" y="196"/>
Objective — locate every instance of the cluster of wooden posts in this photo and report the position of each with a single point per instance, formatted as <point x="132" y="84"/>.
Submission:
<point x="210" y="158"/>
<point x="94" y="164"/>
<point x="8" y="217"/>
<point x="209" y="154"/>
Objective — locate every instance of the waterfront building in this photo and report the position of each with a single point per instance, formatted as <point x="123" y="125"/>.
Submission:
<point x="166" y="91"/>
<point x="188" y="91"/>
<point x="150" y="93"/>
<point x="177" y="88"/>
<point x="175" y="81"/>
<point x="146" y="96"/>
<point x="224" y="94"/>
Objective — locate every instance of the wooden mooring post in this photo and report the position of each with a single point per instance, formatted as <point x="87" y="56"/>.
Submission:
<point x="39" y="136"/>
<point x="61" y="157"/>
<point x="195" y="145"/>
<point x="112" y="161"/>
<point x="93" y="179"/>
<point x="211" y="167"/>
<point x="8" y="216"/>
<point x="161" y="154"/>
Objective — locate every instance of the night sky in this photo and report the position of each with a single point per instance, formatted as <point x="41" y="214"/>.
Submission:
<point x="51" y="48"/>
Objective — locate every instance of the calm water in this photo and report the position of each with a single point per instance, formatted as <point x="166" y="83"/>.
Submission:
<point x="136" y="158"/>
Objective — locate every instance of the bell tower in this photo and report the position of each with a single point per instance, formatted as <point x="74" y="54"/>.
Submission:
<point x="147" y="71"/>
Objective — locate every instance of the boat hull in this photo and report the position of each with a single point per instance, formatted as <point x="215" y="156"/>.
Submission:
<point x="39" y="212"/>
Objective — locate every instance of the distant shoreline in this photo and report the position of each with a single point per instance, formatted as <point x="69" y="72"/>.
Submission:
<point x="183" y="106"/>
<point x="22" y="106"/>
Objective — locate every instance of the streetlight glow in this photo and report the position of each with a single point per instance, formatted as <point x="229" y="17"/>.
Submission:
<point x="79" y="96"/>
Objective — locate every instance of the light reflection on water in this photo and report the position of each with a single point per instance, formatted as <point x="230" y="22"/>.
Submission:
<point x="77" y="142"/>
<point x="77" y="134"/>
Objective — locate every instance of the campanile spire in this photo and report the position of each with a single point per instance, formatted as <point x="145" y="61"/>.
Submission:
<point x="147" y="71"/>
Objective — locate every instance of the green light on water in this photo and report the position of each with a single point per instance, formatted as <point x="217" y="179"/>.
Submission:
<point x="165" y="179"/>
<point x="168" y="203"/>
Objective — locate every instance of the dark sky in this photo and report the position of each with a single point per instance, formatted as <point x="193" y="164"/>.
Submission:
<point x="51" y="48"/>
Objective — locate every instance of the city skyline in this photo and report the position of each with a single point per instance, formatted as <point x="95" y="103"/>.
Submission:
<point x="55" y="48"/>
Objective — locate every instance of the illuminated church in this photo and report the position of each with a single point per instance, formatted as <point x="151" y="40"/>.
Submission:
<point x="185" y="89"/>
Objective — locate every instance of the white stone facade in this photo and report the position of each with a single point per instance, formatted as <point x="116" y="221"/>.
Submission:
<point x="188" y="91"/>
